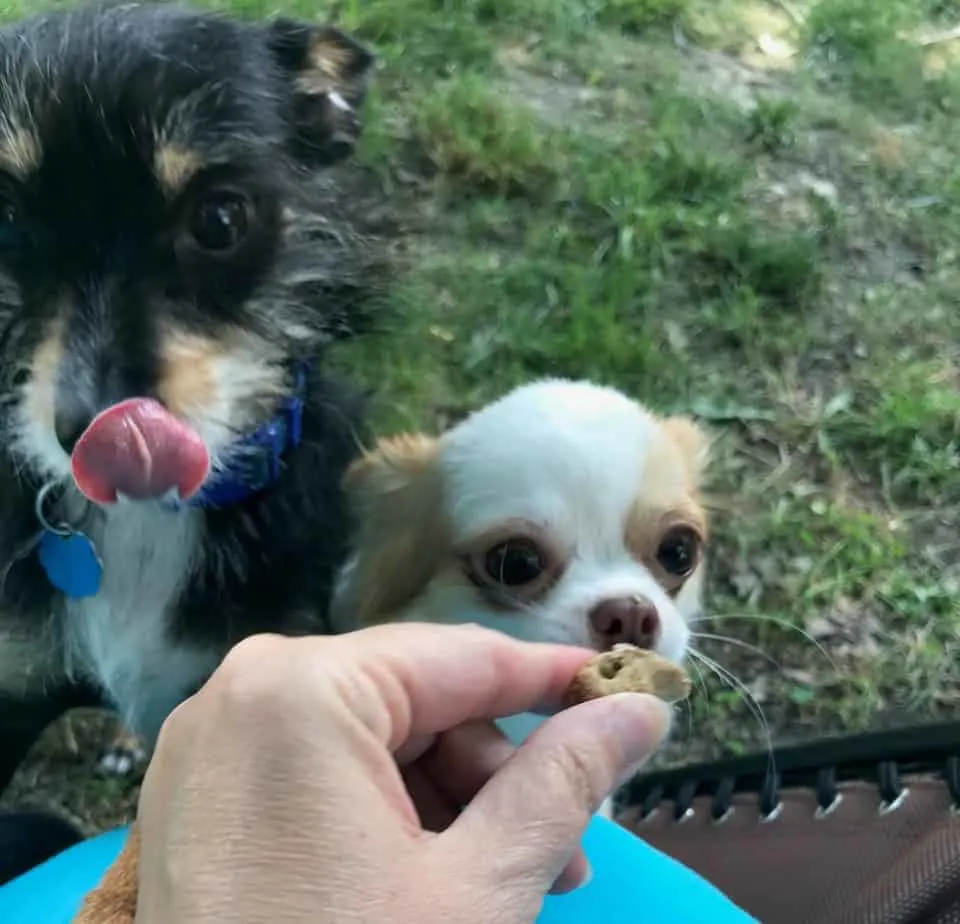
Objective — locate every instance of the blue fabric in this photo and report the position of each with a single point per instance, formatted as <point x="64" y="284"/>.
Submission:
<point x="635" y="884"/>
<point x="52" y="892"/>
<point x="256" y="459"/>
<point x="632" y="884"/>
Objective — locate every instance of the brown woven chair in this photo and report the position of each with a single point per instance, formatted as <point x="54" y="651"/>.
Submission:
<point x="852" y="830"/>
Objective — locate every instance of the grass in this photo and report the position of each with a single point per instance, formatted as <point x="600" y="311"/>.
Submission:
<point x="628" y="190"/>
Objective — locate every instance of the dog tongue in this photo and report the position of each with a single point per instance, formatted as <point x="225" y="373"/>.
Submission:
<point x="139" y="449"/>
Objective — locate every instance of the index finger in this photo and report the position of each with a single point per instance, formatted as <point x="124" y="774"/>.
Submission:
<point x="421" y="679"/>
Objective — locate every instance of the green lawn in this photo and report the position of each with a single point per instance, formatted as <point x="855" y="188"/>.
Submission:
<point x="749" y="211"/>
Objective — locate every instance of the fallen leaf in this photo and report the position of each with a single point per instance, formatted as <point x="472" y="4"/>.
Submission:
<point x="820" y="627"/>
<point x="800" y="695"/>
<point x="676" y="337"/>
<point x="760" y="688"/>
<point x="775" y="47"/>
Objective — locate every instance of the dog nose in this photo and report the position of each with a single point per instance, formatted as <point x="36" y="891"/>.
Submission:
<point x="71" y="417"/>
<point x="87" y="384"/>
<point x="633" y="620"/>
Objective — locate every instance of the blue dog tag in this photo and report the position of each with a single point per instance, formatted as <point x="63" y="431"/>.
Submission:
<point x="71" y="562"/>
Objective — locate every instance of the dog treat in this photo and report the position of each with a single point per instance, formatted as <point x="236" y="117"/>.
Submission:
<point x="628" y="669"/>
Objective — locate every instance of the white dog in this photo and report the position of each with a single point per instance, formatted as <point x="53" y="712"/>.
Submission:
<point x="564" y="512"/>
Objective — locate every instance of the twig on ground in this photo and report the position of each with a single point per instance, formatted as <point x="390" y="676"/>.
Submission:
<point x="795" y="16"/>
<point x="939" y="38"/>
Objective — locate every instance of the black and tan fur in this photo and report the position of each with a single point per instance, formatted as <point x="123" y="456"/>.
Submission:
<point x="126" y="132"/>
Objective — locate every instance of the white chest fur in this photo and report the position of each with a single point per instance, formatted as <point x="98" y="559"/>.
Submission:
<point x="121" y="636"/>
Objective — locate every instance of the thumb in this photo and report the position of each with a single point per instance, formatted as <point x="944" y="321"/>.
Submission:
<point x="530" y="817"/>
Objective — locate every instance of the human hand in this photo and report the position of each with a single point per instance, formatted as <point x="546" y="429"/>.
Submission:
<point x="322" y="779"/>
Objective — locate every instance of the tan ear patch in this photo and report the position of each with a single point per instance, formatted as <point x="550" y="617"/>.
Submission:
<point x="669" y="495"/>
<point x="19" y="152"/>
<point x="402" y="536"/>
<point x="692" y="442"/>
<point x="333" y="60"/>
<point x="395" y="459"/>
<point x="329" y="73"/>
<point x="670" y="475"/>
<point x="174" y="167"/>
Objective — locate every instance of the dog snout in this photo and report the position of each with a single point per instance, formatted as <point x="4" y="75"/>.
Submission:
<point x="73" y="411"/>
<point x="87" y="384"/>
<point x="632" y="620"/>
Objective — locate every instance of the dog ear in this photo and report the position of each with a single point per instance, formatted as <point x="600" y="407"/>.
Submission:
<point x="402" y="536"/>
<point x="693" y="443"/>
<point x="329" y="73"/>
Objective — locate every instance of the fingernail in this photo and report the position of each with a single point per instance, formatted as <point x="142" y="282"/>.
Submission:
<point x="630" y="773"/>
<point x="641" y="723"/>
<point x="587" y="876"/>
<point x="562" y="885"/>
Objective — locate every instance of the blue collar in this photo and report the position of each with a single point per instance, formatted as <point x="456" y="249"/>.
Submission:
<point x="255" y="461"/>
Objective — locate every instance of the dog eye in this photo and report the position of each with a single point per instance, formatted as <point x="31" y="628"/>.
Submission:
<point x="514" y="571"/>
<point x="9" y="209"/>
<point x="8" y="212"/>
<point x="678" y="551"/>
<point x="514" y="563"/>
<point x="221" y="220"/>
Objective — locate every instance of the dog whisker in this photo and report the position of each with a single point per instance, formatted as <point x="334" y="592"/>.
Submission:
<point x="734" y="683"/>
<point x="699" y="678"/>
<point x="687" y="704"/>
<point x="729" y="640"/>
<point x="772" y="620"/>
<point x="699" y="683"/>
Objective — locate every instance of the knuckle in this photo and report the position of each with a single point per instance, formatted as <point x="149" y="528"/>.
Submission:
<point x="254" y="674"/>
<point x="170" y="733"/>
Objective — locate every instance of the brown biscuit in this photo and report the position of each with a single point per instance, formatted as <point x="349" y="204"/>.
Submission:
<point x="627" y="669"/>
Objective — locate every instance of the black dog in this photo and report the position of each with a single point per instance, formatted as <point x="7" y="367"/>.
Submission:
<point x="29" y="838"/>
<point x="172" y="262"/>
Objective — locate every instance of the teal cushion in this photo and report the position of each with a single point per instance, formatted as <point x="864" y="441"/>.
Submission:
<point x="51" y="893"/>
<point x="632" y="884"/>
